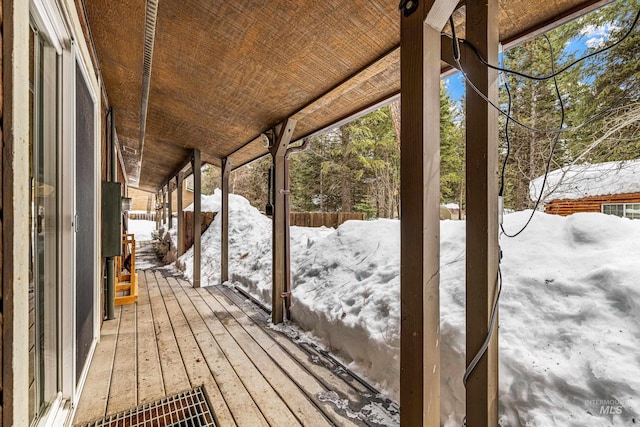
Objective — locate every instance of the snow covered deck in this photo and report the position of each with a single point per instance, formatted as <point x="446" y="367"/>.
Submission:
<point x="178" y="337"/>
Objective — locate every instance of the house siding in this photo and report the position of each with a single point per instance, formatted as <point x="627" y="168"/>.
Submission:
<point x="588" y="204"/>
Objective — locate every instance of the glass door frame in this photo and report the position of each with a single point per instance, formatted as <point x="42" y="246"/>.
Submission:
<point x="52" y="19"/>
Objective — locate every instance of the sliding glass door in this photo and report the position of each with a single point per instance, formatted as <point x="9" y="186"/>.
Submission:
<point x="43" y="214"/>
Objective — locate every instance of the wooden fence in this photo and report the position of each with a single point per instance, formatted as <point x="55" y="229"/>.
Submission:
<point x="327" y="219"/>
<point x="144" y="216"/>
<point x="302" y="219"/>
<point x="206" y="218"/>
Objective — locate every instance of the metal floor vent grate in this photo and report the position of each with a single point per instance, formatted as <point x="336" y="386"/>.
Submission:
<point x="187" y="409"/>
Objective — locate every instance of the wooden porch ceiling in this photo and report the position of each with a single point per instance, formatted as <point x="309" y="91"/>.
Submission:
<point x="225" y="72"/>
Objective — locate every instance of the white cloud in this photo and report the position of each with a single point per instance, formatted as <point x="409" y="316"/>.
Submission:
<point x="597" y="35"/>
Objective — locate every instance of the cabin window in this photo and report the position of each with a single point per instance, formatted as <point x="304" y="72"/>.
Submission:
<point x="625" y="210"/>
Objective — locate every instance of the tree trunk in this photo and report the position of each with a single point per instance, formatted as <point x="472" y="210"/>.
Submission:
<point x="532" y="153"/>
<point x="461" y="199"/>
<point x="394" y="112"/>
<point x="345" y="194"/>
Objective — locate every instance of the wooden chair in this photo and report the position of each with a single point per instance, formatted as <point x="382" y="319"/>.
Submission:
<point x="126" y="281"/>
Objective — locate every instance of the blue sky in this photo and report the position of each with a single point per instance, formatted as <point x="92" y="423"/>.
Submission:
<point x="590" y="36"/>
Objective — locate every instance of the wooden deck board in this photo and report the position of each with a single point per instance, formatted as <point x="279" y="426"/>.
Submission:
<point x="238" y="398"/>
<point x="197" y="361"/>
<point x="252" y="319"/>
<point x="123" y="393"/>
<point x="99" y="377"/>
<point x="174" y="374"/>
<point x="267" y="395"/>
<point x="311" y="378"/>
<point x="300" y="404"/>
<point x="177" y="337"/>
<point x="150" y="382"/>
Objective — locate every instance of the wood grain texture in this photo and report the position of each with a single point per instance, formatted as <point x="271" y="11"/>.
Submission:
<point x="225" y="72"/>
<point x="188" y="337"/>
<point x="98" y="379"/>
<point x="149" y="382"/>
<point x="174" y="374"/>
<point x="224" y="209"/>
<point x="310" y="377"/>
<point x="420" y="221"/>
<point x="588" y="204"/>
<point x="180" y="249"/>
<point x="197" y="210"/>
<point x="278" y="151"/>
<point x="482" y="213"/>
<point x="123" y="392"/>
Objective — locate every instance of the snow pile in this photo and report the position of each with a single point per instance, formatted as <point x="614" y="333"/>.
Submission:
<point x="208" y="203"/>
<point x="569" y="311"/>
<point x="586" y="180"/>
<point x="141" y="229"/>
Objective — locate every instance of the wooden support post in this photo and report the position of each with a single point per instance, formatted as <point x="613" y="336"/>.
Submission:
<point x="482" y="213"/>
<point x="278" y="151"/>
<point x="179" y="179"/>
<point x="14" y="250"/>
<point x="158" y="212"/>
<point x="170" y="205"/>
<point x="224" y="235"/>
<point x="420" y="220"/>
<point x="197" y="202"/>
<point x="164" y="206"/>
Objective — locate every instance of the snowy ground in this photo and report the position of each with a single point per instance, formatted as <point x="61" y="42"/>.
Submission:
<point x="141" y="229"/>
<point x="569" y="311"/>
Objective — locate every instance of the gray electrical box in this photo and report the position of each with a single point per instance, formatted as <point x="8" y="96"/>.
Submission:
<point x="111" y="219"/>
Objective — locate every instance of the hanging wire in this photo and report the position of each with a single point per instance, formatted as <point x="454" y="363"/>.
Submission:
<point x="602" y="113"/>
<point x="553" y="145"/>
<point x="563" y="69"/>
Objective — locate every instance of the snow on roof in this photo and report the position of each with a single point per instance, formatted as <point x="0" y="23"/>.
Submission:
<point x="586" y="180"/>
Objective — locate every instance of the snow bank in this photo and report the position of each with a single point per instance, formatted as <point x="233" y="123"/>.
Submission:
<point x="141" y="229"/>
<point x="208" y="203"/>
<point x="569" y="318"/>
<point x="586" y="180"/>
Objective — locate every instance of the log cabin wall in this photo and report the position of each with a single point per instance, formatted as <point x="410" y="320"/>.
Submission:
<point x="566" y="207"/>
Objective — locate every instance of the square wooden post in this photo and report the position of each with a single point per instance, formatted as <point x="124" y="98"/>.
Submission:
<point x="14" y="250"/>
<point x="179" y="180"/>
<point x="278" y="151"/>
<point x="224" y="211"/>
<point x="197" y="205"/>
<point x="164" y="206"/>
<point x="158" y="211"/>
<point x="482" y="212"/>
<point x="170" y="202"/>
<point x="420" y="220"/>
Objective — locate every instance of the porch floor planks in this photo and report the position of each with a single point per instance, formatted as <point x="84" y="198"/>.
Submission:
<point x="174" y="374"/>
<point x="310" y="377"/>
<point x="150" y="382"/>
<point x="241" y="388"/>
<point x="99" y="376"/>
<point x="301" y="408"/>
<point x="177" y="337"/>
<point x="200" y="357"/>
<point x="123" y="392"/>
